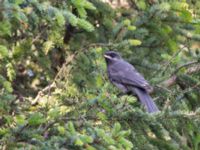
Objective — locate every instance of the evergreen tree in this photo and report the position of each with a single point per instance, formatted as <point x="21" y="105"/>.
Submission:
<point x="54" y="91"/>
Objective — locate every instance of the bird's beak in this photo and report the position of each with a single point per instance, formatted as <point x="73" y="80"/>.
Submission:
<point x="107" y="56"/>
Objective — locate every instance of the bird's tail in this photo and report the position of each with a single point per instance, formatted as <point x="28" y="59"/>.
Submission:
<point x="146" y="100"/>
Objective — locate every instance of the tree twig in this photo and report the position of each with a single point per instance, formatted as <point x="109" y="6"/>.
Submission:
<point x="185" y="65"/>
<point x="172" y="80"/>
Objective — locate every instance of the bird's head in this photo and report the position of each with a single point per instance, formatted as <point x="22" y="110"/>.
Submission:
<point x="111" y="56"/>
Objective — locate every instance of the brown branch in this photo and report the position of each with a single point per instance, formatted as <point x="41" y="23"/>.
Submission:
<point x="42" y="92"/>
<point x="169" y="82"/>
<point x="185" y="65"/>
<point x="39" y="35"/>
<point x="172" y="80"/>
<point x="48" y="88"/>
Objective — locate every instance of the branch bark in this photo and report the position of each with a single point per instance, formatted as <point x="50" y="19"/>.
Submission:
<point x="190" y="70"/>
<point x="51" y="86"/>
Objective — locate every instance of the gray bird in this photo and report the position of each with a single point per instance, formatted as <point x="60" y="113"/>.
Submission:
<point x="124" y="76"/>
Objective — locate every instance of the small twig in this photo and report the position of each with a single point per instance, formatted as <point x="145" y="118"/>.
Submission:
<point x="39" y="35"/>
<point x="185" y="65"/>
<point x="166" y="65"/>
<point x="172" y="80"/>
<point x="41" y="93"/>
<point x="68" y="61"/>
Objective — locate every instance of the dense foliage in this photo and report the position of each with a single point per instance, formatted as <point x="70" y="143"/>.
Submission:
<point x="54" y="92"/>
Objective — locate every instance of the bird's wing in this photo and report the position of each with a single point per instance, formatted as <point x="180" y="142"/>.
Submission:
<point x="124" y="73"/>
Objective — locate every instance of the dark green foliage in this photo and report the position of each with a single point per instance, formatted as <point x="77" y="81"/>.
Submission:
<point x="54" y="92"/>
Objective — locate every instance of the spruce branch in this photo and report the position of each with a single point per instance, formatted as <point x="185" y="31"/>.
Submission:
<point x="190" y="70"/>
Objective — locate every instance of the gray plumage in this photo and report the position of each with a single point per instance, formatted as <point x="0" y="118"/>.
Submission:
<point x="124" y="76"/>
